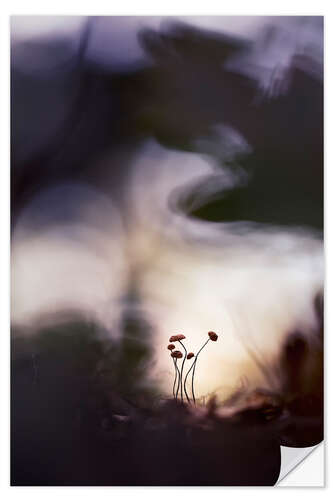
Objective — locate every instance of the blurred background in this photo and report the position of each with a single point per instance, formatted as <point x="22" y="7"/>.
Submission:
<point x="166" y="177"/>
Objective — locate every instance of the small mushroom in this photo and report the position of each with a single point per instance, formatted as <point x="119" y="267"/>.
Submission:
<point x="213" y="336"/>
<point x="176" y="354"/>
<point x="176" y="338"/>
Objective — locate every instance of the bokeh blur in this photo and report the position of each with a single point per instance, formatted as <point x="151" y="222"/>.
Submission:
<point x="166" y="177"/>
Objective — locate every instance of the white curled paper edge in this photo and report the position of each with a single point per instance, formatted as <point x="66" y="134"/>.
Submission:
<point x="291" y="458"/>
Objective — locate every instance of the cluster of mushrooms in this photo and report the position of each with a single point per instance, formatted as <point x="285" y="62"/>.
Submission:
<point x="179" y="383"/>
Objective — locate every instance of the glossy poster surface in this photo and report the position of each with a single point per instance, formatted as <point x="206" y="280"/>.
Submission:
<point x="167" y="261"/>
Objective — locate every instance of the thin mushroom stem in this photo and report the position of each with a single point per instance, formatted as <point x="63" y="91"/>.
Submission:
<point x="178" y="378"/>
<point x="175" y="380"/>
<point x="186" y="394"/>
<point x="187" y="374"/>
<point x="194" y="365"/>
<point x="182" y="368"/>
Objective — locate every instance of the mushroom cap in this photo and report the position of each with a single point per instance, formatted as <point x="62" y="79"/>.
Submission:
<point x="213" y="336"/>
<point x="190" y="355"/>
<point x="171" y="347"/>
<point x="176" y="354"/>
<point x="176" y="338"/>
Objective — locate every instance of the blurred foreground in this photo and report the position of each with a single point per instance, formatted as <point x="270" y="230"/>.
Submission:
<point x="84" y="414"/>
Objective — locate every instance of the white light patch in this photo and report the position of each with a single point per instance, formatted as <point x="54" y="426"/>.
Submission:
<point x="77" y="264"/>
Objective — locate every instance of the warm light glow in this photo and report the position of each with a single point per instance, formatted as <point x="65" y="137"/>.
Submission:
<point x="193" y="277"/>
